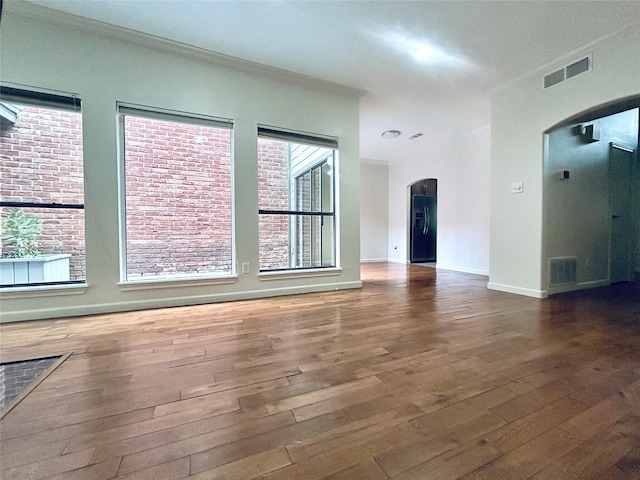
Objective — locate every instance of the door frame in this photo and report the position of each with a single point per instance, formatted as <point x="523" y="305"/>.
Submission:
<point x="632" y="213"/>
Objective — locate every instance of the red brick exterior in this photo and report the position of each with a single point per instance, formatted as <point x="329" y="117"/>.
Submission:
<point x="41" y="161"/>
<point x="273" y="194"/>
<point x="177" y="188"/>
<point x="178" y="198"/>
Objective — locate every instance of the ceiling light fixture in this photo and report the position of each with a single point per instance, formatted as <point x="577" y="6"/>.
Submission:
<point x="391" y="134"/>
<point x="422" y="52"/>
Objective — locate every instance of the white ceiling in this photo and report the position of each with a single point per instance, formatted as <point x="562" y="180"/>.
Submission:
<point x="479" y="46"/>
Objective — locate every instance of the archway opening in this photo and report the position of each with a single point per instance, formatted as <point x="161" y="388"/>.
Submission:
<point x="592" y="205"/>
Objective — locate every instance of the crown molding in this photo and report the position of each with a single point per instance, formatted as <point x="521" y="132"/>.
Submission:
<point x="74" y="22"/>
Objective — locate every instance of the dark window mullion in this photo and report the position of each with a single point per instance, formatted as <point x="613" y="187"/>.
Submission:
<point x="295" y="212"/>
<point x="77" y="206"/>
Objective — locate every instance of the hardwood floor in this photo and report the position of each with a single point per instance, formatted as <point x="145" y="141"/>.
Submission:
<point x="422" y="374"/>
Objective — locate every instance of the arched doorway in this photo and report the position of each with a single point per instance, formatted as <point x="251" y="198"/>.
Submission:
<point x="592" y="219"/>
<point x="423" y="220"/>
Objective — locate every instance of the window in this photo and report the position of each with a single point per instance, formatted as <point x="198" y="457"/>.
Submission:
<point x="296" y="200"/>
<point x="177" y="195"/>
<point x="42" y="189"/>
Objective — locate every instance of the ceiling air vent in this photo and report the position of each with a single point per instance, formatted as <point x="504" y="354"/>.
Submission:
<point x="569" y="71"/>
<point x="417" y="135"/>
<point x="563" y="271"/>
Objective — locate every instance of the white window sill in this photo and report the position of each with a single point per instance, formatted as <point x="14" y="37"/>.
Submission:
<point x="306" y="273"/>
<point x="154" y="283"/>
<point x="43" y="291"/>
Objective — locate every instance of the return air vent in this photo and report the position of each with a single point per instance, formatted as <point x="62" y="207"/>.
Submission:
<point x="578" y="67"/>
<point x="563" y="271"/>
<point x="568" y="71"/>
<point x="553" y="78"/>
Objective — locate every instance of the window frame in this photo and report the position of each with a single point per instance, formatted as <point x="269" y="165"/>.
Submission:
<point x="51" y="100"/>
<point x="156" y="113"/>
<point x="309" y="139"/>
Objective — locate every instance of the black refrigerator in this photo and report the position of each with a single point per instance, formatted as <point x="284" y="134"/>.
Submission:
<point x="424" y="210"/>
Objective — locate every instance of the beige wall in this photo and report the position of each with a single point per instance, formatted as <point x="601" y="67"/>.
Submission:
<point x="49" y="52"/>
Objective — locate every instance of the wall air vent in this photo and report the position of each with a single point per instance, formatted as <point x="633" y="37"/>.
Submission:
<point x="563" y="271"/>
<point x="553" y="78"/>
<point x="578" y="67"/>
<point x="568" y="71"/>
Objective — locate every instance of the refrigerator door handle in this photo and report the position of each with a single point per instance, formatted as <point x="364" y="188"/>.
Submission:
<point x="427" y="217"/>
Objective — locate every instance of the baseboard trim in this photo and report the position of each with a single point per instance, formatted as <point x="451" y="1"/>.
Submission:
<point x="475" y="271"/>
<point x="373" y="260"/>
<point x="528" y="292"/>
<point x="396" y="260"/>
<point x="83" y="310"/>
<point x="579" y="286"/>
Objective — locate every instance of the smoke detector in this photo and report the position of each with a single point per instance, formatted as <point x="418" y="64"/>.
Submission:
<point x="391" y="134"/>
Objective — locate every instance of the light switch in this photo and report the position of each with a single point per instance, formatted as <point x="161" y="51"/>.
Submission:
<point x="246" y="267"/>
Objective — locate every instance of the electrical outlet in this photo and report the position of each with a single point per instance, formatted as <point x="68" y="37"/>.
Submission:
<point x="516" y="187"/>
<point x="246" y="267"/>
<point x="587" y="262"/>
<point x="478" y="255"/>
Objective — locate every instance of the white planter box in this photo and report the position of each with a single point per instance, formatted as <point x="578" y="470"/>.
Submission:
<point x="46" y="268"/>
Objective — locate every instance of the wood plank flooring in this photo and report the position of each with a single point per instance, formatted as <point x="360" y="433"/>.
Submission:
<point x="422" y="374"/>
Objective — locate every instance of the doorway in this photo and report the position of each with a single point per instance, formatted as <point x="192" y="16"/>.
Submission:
<point x="621" y="211"/>
<point x="423" y="220"/>
<point x="592" y="202"/>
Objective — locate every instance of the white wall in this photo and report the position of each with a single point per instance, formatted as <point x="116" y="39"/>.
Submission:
<point x="520" y="115"/>
<point x="462" y="171"/>
<point x="64" y="56"/>
<point x="374" y="207"/>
